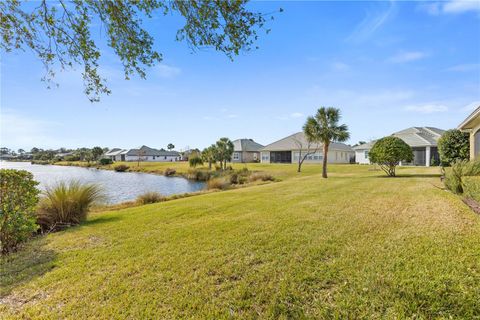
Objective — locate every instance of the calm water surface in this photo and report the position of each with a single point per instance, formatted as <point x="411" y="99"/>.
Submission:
<point x="118" y="186"/>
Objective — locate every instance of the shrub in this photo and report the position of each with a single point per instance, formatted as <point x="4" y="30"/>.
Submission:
<point x="453" y="146"/>
<point x="218" y="183"/>
<point x="106" y="161"/>
<point x="18" y="198"/>
<point x="66" y="204"/>
<point x="72" y="158"/>
<point x="121" y="168"/>
<point x="170" y="172"/>
<point x="150" y="197"/>
<point x="199" y="175"/>
<point x="388" y="152"/>
<point x="454" y="176"/>
<point x="472" y="187"/>
<point x="261" y="176"/>
<point x="195" y="161"/>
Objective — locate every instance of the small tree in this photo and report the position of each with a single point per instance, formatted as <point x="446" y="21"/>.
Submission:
<point x="224" y="149"/>
<point x="324" y="128"/>
<point x="210" y="155"/>
<point x="170" y="146"/>
<point x="453" y="146"/>
<point x="303" y="155"/>
<point x="96" y="153"/>
<point x="388" y="152"/>
<point x="195" y="160"/>
<point x="18" y="198"/>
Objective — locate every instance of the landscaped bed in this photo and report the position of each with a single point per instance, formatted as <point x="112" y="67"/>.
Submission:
<point x="356" y="245"/>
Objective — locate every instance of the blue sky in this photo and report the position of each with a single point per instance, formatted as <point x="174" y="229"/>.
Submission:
<point x="386" y="65"/>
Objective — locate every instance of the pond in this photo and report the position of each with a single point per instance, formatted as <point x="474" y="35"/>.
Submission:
<point x="117" y="186"/>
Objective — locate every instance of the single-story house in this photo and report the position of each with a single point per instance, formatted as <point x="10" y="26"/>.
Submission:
<point x="423" y="141"/>
<point x="145" y="153"/>
<point x="116" y="154"/>
<point x="246" y="150"/>
<point x="361" y="152"/>
<point x="472" y="126"/>
<point x="291" y="148"/>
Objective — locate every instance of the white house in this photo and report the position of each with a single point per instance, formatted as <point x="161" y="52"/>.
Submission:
<point x="145" y="153"/>
<point x="361" y="152"/>
<point x="291" y="148"/>
<point x="116" y="154"/>
<point x="423" y="141"/>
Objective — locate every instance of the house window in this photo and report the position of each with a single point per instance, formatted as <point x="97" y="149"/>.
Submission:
<point x="255" y="156"/>
<point x="366" y="154"/>
<point x="165" y="157"/>
<point x="236" y="156"/>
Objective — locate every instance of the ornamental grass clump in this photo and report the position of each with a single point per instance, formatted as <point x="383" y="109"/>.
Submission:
<point x="66" y="204"/>
<point x="150" y="197"/>
<point x="456" y="176"/>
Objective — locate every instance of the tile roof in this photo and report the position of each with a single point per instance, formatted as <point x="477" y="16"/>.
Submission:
<point x="298" y="140"/>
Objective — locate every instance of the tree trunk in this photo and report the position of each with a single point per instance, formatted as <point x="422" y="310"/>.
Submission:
<point x="209" y="165"/>
<point x="325" y="155"/>
<point x="299" y="169"/>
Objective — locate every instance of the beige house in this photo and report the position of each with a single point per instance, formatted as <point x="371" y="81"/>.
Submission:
<point x="295" y="146"/>
<point x="246" y="150"/>
<point x="472" y="126"/>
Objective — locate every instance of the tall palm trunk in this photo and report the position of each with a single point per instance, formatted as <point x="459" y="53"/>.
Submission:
<point x="325" y="155"/>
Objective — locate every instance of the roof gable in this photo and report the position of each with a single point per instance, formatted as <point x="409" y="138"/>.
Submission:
<point x="247" y="145"/>
<point x="298" y="141"/>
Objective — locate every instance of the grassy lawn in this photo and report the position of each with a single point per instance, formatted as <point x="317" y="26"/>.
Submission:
<point x="357" y="245"/>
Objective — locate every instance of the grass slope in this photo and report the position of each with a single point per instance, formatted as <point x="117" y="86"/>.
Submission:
<point x="357" y="245"/>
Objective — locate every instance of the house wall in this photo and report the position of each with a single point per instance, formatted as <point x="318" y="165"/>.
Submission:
<point x="153" y="158"/>
<point x="361" y="157"/>
<point x="246" y="156"/>
<point x="334" y="156"/>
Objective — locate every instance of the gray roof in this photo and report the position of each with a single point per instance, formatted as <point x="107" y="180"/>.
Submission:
<point x="420" y="136"/>
<point x="115" y="152"/>
<point x="147" y="151"/>
<point x="298" y="141"/>
<point x="365" y="146"/>
<point x="414" y="137"/>
<point x="246" y="145"/>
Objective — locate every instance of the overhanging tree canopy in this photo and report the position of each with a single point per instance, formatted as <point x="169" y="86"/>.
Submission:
<point x="59" y="32"/>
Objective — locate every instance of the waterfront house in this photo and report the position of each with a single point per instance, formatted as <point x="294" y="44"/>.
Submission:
<point x="145" y="153"/>
<point x="291" y="148"/>
<point x="246" y="150"/>
<point x="116" y="154"/>
<point x="422" y="140"/>
<point x="472" y="125"/>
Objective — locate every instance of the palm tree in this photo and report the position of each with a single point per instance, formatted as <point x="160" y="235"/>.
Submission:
<point x="225" y="151"/>
<point x="324" y="128"/>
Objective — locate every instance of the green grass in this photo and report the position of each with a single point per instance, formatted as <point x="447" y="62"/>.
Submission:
<point x="357" y="245"/>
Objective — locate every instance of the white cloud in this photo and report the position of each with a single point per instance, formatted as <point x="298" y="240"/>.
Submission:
<point x="407" y="56"/>
<point x="458" y="6"/>
<point x="296" y="115"/>
<point x="465" y="67"/>
<point x="471" y="106"/>
<point x="340" y="66"/>
<point x="166" y="71"/>
<point x="232" y="116"/>
<point x="371" y="23"/>
<point x="427" y="108"/>
<point x="17" y="130"/>
<point x="451" y="7"/>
